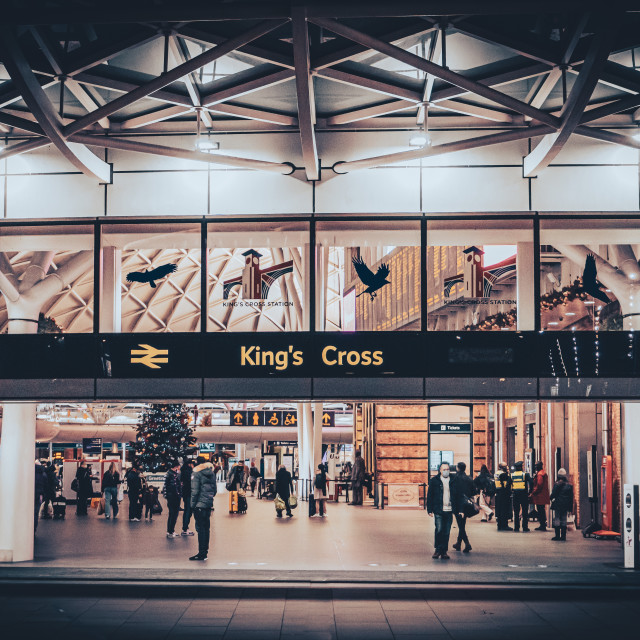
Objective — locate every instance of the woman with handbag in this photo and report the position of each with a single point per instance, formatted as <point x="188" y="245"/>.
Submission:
<point x="320" y="492"/>
<point x="466" y="490"/>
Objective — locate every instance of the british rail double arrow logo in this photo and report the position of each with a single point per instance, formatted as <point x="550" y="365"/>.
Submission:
<point x="149" y="356"/>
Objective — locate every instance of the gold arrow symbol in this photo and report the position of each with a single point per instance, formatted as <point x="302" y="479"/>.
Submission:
<point x="149" y="356"/>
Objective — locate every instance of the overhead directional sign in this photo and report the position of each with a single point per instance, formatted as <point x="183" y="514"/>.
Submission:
<point x="263" y="418"/>
<point x="149" y="356"/>
<point x="328" y="418"/>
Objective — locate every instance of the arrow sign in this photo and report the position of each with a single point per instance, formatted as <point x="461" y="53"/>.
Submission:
<point x="149" y="356"/>
<point x="328" y="419"/>
<point x="239" y="419"/>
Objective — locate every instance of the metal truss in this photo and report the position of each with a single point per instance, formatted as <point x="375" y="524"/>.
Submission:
<point x="93" y="76"/>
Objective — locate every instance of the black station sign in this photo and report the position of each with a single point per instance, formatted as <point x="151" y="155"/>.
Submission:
<point x="450" y="427"/>
<point x="263" y="418"/>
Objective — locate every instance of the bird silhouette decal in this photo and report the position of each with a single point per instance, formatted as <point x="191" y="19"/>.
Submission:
<point x="589" y="282"/>
<point x="151" y="276"/>
<point x="373" y="281"/>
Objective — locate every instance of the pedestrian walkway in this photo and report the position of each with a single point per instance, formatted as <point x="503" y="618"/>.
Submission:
<point x="351" y="544"/>
<point x="325" y="614"/>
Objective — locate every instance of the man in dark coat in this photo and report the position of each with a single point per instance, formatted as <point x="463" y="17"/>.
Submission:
<point x="464" y="487"/>
<point x="185" y="477"/>
<point x="85" y="488"/>
<point x="561" y="504"/>
<point x="442" y="502"/>
<point x="203" y="491"/>
<point x="40" y="490"/>
<point x="134" y="491"/>
<point x="51" y="488"/>
<point x="357" y="479"/>
<point x="173" y="494"/>
<point x="284" y="488"/>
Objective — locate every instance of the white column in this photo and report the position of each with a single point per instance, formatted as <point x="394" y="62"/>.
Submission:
<point x="317" y="437"/>
<point x="631" y="443"/>
<point x="124" y="455"/>
<point x="525" y="286"/>
<point x="111" y="301"/>
<point x="241" y="451"/>
<point x="302" y="446"/>
<point x="17" y="479"/>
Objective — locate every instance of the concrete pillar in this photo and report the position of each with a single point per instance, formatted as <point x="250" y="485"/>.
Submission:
<point x="525" y="287"/>
<point x="17" y="479"/>
<point x="301" y="443"/>
<point x="111" y="301"/>
<point x="241" y="451"/>
<point x="631" y="443"/>
<point x="521" y="432"/>
<point x="308" y="439"/>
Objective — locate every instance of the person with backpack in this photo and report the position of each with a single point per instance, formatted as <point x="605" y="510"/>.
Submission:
<point x="173" y="494"/>
<point x="320" y="492"/>
<point x="203" y="491"/>
<point x="561" y="504"/>
<point x="485" y="489"/>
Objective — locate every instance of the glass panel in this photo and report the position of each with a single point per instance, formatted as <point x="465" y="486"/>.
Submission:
<point x="47" y="272"/>
<point x="589" y="275"/>
<point x="150" y="278"/>
<point x="479" y="275"/>
<point x="257" y="276"/>
<point x="368" y="276"/>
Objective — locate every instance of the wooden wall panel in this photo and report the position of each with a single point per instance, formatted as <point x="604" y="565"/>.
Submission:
<point x="402" y="424"/>
<point x="402" y="437"/>
<point x="402" y="411"/>
<point x="400" y="477"/>
<point x="399" y="464"/>
<point x="402" y="451"/>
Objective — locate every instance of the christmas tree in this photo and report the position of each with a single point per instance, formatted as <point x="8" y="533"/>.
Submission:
<point x="163" y="435"/>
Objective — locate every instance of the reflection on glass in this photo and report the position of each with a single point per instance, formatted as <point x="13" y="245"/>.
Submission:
<point x="256" y="277"/>
<point x="479" y="275"/>
<point x="46" y="279"/>
<point x="590" y="278"/>
<point x="150" y="278"/>
<point x="368" y="276"/>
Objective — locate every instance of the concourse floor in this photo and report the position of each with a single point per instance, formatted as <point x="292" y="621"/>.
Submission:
<point x="351" y="544"/>
<point x="294" y="614"/>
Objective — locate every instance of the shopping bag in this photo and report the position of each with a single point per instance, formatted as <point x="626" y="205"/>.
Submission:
<point x="101" y="506"/>
<point x="120" y="493"/>
<point x="293" y="501"/>
<point x="279" y="503"/>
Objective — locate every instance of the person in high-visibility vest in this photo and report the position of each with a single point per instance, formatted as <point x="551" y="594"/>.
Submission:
<point x="503" y="497"/>
<point x="521" y="487"/>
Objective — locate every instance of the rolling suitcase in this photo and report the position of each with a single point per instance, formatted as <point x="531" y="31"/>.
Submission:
<point x="59" y="508"/>
<point x="312" y="506"/>
<point x="242" y="504"/>
<point x="233" y="502"/>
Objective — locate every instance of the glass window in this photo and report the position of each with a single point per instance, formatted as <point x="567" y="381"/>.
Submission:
<point x="368" y="276"/>
<point x="479" y="275"/>
<point x="589" y="275"/>
<point x="257" y="276"/>
<point x="47" y="277"/>
<point x="150" y="277"/>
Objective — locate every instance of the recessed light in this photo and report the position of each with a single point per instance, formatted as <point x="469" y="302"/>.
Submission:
<point x="419" y="141"/>
<point x="207" y="145"/>
<point x="569" y="313"/>
<point x="589" y="302"/>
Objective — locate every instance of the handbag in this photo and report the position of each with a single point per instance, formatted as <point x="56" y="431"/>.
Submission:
<point x="74" y="485"/>
<point x="279" y="503"/>
<point x="469" y="507"/>
<point x="120" y="493"/>
<point x="101" y="506"/>
<point x="293" y="501"/>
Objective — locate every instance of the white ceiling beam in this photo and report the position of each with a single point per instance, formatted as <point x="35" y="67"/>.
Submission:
<point x="369" y="112"/>
<point x="154" y="116"/>
<point x="255" y="114"/>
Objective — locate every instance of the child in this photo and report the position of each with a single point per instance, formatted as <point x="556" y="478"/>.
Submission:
<point x="150" y="498"/>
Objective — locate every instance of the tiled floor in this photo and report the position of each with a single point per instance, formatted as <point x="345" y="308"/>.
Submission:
<point x="316" y="615"/>
<point x="351" y="543"/>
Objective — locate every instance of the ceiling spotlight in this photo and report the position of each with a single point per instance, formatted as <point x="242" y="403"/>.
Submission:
<point x="420" y="140"/>
<point x="207" y="145"/>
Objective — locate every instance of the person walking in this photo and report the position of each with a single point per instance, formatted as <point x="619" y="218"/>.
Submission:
<point x="284" y="488"/>
<point x="503" y="497"/>
<point x="464" y="488"/>
<point x="185" y="477"/>
<point x="40" y="488"/>
<point x="254" y="474"/>
<point x="85" y="488"/>
<point x="203" y="490"/>
<point x="173" y="494"/>
<point x="561" y="504"/>
<point x="110" y="482"/>
<point x="485" y="490"/>
<point x="50" y="489"/>
<point x="442" y="502"/>
<point x="540" y="495"/>
<point x="134" y="491"/>
<point x="235" y="479"/>
<point x="320" y="492"/>
<point x="357" y="479"/>
<point x="521" y="486"/>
